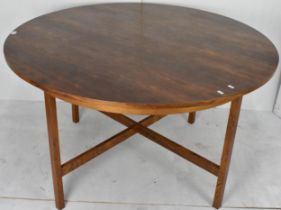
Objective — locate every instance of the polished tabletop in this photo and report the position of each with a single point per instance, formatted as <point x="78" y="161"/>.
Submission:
<point x="141" y="58"/>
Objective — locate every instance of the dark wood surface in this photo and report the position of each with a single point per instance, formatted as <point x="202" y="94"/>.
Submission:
<point x="141" y="58"/>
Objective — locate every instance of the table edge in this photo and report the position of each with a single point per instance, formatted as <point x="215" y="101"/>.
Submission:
<point x="143" y="109"/>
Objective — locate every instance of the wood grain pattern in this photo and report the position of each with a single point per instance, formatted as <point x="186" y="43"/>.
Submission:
<point x="141" y="58"/>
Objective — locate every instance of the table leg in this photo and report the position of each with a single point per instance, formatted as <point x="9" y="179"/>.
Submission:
<point x="51" y="113"/>
<point x="75" y="113"/>
<point x="227" y="151"/>
<point x="191" y="117"/>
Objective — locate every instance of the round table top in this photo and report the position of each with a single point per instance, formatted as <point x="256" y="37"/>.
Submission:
<point x="141" y="58"/>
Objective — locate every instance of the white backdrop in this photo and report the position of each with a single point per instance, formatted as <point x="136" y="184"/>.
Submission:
<point x="263" y="15"/>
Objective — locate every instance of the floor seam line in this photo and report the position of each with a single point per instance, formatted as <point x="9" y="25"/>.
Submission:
<point x="133" y="203"/>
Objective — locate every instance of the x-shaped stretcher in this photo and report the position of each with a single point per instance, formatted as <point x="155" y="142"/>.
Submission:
<point x="141" y="127"/>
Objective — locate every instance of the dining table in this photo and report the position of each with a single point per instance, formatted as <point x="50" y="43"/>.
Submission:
<point x="147" y="59"/>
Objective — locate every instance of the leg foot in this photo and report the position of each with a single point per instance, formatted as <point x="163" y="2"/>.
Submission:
<point x="191" y="117"/>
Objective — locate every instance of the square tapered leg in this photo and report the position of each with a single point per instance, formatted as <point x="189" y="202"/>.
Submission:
<point x="227" y="151"/>
<point x="51" y="113"/>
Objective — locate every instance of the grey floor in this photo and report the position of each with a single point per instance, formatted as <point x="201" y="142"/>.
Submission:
<point x="137" y="174"/>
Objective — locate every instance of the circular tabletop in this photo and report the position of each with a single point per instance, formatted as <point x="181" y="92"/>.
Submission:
<point x="141" y="58"/>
